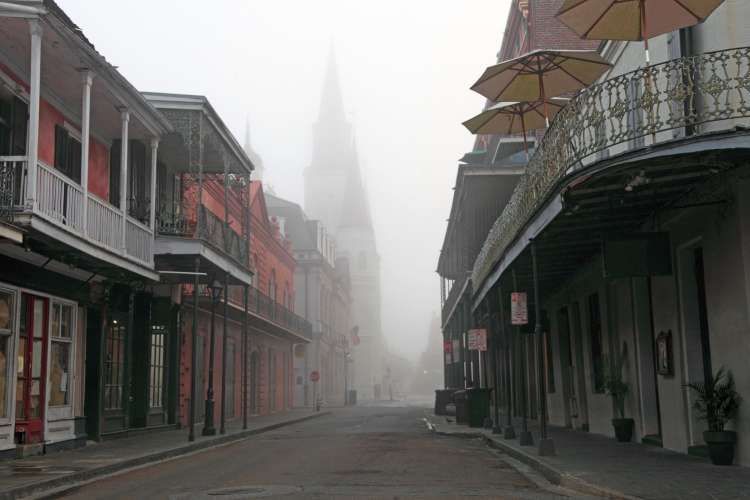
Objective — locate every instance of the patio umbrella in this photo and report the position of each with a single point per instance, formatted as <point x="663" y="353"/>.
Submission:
<point x="541" y="74"/>
<point x="507" y="118"/>
<point x="632" y="19"/>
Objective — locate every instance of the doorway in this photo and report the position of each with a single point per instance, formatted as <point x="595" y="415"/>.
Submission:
<point x="31" y="369"/>
<point x="581" y="412"/>
<point x="254" y="382"/>
<point x="566" y="367"/>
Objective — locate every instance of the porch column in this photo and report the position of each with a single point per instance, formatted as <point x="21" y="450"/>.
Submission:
<point x="525" y="438"/>
<point x="154" y="157"/>
<point x="124" y="142"/>
<point x="87" y="78"/>
<point x="244" y="356"/>
<point x="224" y="345"/>
<point x="32" y="149"/>
<point x="546" y="445"/>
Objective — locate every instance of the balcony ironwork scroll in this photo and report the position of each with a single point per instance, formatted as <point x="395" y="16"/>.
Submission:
<point x="625" y="113"/>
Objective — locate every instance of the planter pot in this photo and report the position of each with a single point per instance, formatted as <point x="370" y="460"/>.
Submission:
<point x="623" y="429"/>
<point x="721" y="446"/>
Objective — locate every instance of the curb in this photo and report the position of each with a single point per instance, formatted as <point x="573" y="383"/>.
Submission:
<point x="61" y="484"/>
<point x="552" y="474"/>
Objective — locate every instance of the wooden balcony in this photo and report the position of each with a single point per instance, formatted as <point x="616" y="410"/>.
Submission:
<point x="61" y="212"/>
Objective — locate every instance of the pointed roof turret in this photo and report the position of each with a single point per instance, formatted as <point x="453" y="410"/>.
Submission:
<point x="331" y="101"/>
<point x="254" y="157"/>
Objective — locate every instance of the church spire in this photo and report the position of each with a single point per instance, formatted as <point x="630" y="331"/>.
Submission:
<point x="254" y="157"/>
<point x="331" y="101"/>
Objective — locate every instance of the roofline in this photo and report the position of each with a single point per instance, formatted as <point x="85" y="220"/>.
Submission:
<point x="195" y="102"/>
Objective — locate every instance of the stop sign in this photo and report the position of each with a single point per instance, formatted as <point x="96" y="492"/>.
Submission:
<point x="315" y="376"/>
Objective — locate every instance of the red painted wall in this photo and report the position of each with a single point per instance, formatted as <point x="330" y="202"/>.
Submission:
<point x="49" y="116"/>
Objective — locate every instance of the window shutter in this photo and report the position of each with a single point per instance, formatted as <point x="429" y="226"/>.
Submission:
<point x="61" y="149"/>
<point x="74" y="159"/>
<point x="114" y="173"/>
<point x="20" y="118"/>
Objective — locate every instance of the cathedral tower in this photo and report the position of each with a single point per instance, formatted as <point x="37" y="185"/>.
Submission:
<point x="335" y="194"/>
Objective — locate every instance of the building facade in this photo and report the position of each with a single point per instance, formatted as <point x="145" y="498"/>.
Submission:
<point x="632" y="211"/>
<point x="323" y="299"/>
<point x="335" y="195"/>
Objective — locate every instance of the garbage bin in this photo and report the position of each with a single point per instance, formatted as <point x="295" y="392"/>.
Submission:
<point x="460" y="399"/>
<point x="442" y="398"/>
<point x="477" y="406"/>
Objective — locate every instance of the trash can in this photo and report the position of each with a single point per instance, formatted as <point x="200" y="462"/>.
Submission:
<point x="460" y="399"/>
<point x="477" y="406"/>
<point x="443" y="397"/>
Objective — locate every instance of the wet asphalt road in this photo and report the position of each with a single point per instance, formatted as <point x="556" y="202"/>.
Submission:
<point x="364" y="452"/>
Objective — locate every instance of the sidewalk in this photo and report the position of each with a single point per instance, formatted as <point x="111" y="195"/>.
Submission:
<point x="598" y="465"/>
<point x="35" y="475"/>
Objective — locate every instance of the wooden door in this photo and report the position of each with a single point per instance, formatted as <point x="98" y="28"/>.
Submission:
<point x="31" y="369"/>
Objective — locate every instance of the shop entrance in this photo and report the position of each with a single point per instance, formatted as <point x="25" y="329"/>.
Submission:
<point x="31" y="369"/>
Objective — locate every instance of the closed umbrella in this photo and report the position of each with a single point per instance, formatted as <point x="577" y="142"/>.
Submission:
<point x="633" y="19"/>
<point x="541" y="74"/>
<point x="507" y="118"/>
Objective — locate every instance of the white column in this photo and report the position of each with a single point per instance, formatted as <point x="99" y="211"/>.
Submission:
<point x="87" y="77"/>
<point x="32" y="147"/>
<point x="124" y="143"/>
<point x="154" y="154"/>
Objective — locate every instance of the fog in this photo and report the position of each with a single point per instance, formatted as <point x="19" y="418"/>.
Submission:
<point x="405" y="68"/>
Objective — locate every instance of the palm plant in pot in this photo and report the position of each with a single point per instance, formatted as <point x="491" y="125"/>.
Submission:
<point x="616" y="387"/>
<point x="717" y="402"/>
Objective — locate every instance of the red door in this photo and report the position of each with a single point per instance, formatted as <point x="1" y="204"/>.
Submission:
<point x="31" y="369"/>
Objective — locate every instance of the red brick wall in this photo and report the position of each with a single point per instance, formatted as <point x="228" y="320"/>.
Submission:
<point x="549" y="33"/>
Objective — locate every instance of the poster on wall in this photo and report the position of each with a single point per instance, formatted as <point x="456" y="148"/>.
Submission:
<point x="477" y="339"/>
<point x="519" y="311"/>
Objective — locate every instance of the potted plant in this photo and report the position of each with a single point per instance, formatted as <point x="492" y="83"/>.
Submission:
<point x="617" y="389"/>
<point x="717" y="402"/>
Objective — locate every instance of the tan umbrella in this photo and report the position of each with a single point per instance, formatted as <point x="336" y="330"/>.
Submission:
<point x="541" y="74"/>
<point x="507" y="118"/>
<point x="633" y="19"/>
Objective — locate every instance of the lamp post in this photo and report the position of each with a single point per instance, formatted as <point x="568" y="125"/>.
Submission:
<point x="214" y="290"/>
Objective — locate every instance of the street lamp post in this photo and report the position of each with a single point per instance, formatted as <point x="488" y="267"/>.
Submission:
<point x="208" y="427"/>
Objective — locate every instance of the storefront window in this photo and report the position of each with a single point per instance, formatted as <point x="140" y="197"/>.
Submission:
<point x="59" y="374"/>
<point x="6" y="309"/>
<point x="114" y="366"/>
<point x="156" y="370"/>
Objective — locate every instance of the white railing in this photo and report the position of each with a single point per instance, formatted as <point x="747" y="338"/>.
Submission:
<point x="105" y="224"/>
<point x="139" y="241"/>
<point x="59" y="198"/>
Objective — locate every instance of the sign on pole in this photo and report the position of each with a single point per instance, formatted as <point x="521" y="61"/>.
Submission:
<point x="314" y="376"/>
<point x="477" y="339"/>
<point x="519" y="311"/>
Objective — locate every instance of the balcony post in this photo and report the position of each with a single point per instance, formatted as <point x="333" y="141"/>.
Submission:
<point x="546" y="445"/>
<point x="32" y="146"/>
<point x="244" y="356"/>
<point x="224" y="345"/>
<point x="87" y="78"/>
<point x="154" y="158"/>
<point x="124" y="146"/>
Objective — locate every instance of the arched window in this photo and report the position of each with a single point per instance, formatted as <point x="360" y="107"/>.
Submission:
<point x="362" y="261"/>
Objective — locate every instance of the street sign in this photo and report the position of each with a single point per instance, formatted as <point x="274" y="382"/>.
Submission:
<point x="478" y="339"/>
<point x="447" y="346"/>
<point x="314" y="376"/>
<point x="519" y="311"/>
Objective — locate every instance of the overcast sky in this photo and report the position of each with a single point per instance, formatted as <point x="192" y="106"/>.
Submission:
<point x="405" y="66"/>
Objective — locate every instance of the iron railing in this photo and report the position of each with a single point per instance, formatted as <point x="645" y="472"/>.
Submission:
<point x="212" y="229"/>
<point x="453" y="296"/>
<point x="12" y="170"/>
<point x="625" y="113"/>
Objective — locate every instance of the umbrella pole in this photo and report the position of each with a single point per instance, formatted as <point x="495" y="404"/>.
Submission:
<point x="644" y="30"/>
<point x="525" y="146"/>
<point x="544" y="100"/>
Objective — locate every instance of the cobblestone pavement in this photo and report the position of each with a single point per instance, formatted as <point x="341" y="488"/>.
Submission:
<point x="632" y="469"/>
<point x="365" y="452"/>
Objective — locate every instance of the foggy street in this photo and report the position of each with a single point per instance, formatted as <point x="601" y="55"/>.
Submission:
<point x="375" y="451"/>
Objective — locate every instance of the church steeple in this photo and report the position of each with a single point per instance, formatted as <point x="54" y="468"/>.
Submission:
<point x="254" y="157"/>
<point x="331" y="101"/>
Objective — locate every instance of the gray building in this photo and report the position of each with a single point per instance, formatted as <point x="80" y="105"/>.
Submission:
<point x="323" y="298"/>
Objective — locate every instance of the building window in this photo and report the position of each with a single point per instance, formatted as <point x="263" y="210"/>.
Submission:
<point x="67" y="153"/>
<point x="13" y="116"/>
<point x="61" y="331"/>
<point x="597" y="353"/>
<point x="156" y="367"/>
<point x="272" y="285"/>
<point x="114" y="365"/>
<point x="6" y="330"/>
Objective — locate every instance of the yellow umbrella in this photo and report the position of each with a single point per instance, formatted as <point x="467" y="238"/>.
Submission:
<point x="541" y="74"/>
<point x="633" y="19"/>
<point x="507" y="118"/>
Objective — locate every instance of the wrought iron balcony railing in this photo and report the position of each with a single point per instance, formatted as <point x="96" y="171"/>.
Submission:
<point x="212" y="229"/>
<point x="687" y="96"/>
<point x="453" y="296"/>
